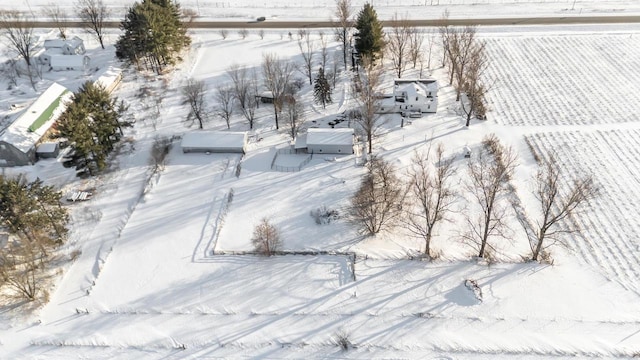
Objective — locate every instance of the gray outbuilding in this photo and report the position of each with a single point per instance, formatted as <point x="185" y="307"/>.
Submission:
<point x="18" y="141"/>
<point x="214" y="142"/>
<point x="326" y="141"/>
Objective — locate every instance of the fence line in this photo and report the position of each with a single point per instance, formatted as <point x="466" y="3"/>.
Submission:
<point x="288" y="151"/>
<point x="351" y="255"/>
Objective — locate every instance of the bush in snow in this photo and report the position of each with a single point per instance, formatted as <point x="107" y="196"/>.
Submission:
<point x="322" y="215"/>
<point x="341" y="338"/>
<point x="159" y="151"/>
<point x="266" y="238"/>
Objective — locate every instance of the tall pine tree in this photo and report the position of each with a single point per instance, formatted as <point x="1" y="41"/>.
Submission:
<point x="154" y="34"/>
<point x="91" y="124"/>
<point x="370" y="35"/>
<point x="321" y="89"/>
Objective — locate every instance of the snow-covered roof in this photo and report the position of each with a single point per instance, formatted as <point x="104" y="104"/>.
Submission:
<point x="47" y="147"/>
<point x="301" y="141"/>
<point x="68" y="61"/>
<point x="53" y="52"/>
<point x="59" y="43"/>
<point x="426" y="84"/>
<point x="412" y="89"/>
<point x="25" y="131"/>
<point x="330" y="137"/>
<point x="54" y="43"/>
<point x="108" y="77"/>
<point x="214" y="139"/>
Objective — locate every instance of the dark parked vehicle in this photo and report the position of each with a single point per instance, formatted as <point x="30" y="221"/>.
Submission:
<point x="261" y="18"/>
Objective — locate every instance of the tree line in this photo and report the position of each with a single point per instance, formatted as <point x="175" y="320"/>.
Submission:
<point x="422" y="202"/>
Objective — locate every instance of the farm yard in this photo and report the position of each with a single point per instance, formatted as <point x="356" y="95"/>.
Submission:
<point x="164" y="266"/>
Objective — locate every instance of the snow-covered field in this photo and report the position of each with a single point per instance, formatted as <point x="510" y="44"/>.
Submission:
<point x="583" y="70"/>
<point x="283" y="10"/>
<point x="159" y="276"/>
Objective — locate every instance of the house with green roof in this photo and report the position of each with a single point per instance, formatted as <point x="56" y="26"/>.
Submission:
<point x="18" y="141"/>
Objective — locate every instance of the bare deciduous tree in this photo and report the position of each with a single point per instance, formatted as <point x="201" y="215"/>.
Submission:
<point x="293" y="111"/>
<point x="266" y="238"/>
<point x="335" y="69"/>
<point x="9" y="71"/>
<point x="416" y="39"/>
<point x="462" y="42"/>
<point x="445" y="30"/>
<point x="489" y="174"/>
<point x="376" y="205"/>
<point x="193" y="95"/>
<point x="324" y="51"/>
<point x="399" y="42"/>
<point x="473" y="86"/>
<point x="58" y="17"/>
<point x="277" y="75"/>
<point x="17" y="30"/>
<point x="261" y="34"/>
<point x="431" y="194"/>
<point x="243" y="33"/>
<point x="244" y="91"/>
<point x="342" y="26"/>
<point x="19" y="267"/>
<point x="224" y="33"/>
<point x="366" y="92"/>
<point x="555" y="205"/>
<point x="93" y="13"/>
<point x="224" y="95"/>
<point x="306" y="46"/>
<point x="159" y="152"/>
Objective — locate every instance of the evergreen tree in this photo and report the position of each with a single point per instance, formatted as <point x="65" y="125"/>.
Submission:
<point x="369" y="36"/>
<point x="16" y="207"/>
<point x="153" y="34"/>
<point x="48" y="206"/>
<point x="32" y="210"/>
<point x="92" y="127"/>
<point x="321" y="89"/>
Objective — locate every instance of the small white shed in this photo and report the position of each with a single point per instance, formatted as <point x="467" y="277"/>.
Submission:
<point x="69" y="62"/>
<point x="214" y="142"/>
<point x="328" y="141"/>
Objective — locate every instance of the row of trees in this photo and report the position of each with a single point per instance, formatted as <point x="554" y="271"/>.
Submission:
<point x="92" y="126"/>
<point x="466" y="59"/>
<point x="35" y="220"/>
<point x="242" y="94"/>
<point x="426" y="199"/>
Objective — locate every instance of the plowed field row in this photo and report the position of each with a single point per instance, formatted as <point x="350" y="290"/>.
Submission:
<point x="564" y="80"/>
<point x="611" y="237"/>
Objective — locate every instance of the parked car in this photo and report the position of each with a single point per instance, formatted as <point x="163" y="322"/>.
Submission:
<point x="261" y="18"/>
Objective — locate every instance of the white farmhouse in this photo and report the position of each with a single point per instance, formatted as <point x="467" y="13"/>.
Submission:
<point x="326" y="141"/>
<point x="411" y="96"/>
<point x="204" y="141"/>
<point x="66" y="54"/>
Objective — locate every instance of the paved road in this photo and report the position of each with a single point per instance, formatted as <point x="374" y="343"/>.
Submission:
<point x="563" y="20"/>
